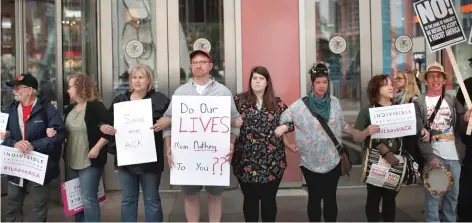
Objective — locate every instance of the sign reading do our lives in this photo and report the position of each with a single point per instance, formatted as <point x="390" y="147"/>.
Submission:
<point x="200" y="140"/>
<point x="439" y="22"/>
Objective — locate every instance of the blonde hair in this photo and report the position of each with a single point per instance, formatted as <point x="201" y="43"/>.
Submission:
<point x="140" y="69"/>
<point x="411" y="88"/>
<point x="85" y="87"/>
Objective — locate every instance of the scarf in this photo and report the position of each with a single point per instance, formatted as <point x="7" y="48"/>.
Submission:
<point x="321" y="106"/>
<point x="398" y="99"/>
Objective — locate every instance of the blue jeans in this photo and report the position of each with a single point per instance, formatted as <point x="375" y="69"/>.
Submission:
<point x="130" y="194"/>
<point x="431" y="213"/>
<point x="89" y="179"/>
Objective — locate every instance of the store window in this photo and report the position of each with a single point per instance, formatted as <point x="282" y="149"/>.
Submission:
<point x="201" y="28"/>
<point x="340" y="18"/>
<point x="134" y="32"/>
<point x="40" y="45"/>
<point x="8" y="55"/>
<point x="79" y="40"/>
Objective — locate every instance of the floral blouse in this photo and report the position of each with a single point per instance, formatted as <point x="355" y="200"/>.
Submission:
<point x="259" y="156"/>
<point x="316" y="150"/>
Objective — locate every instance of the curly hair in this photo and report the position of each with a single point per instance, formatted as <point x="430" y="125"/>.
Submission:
<point x="373" y="88"/>
<point x="84" y="87"/>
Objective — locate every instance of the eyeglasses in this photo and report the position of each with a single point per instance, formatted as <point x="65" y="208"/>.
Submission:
<point x="399" y="78"/>
<point x="201" y="63"/>
<point x="17" y="88"/>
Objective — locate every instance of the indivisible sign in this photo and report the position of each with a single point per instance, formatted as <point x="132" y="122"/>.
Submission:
<point x="31" y="166"/>
<point x="403" y="44"/>
<point x="337" y="44"/>
<point x="134" y="137"/>
<point x="3" y="123"/>
<point x="439" y="23"/>
<point x="394" y="121"/>
<point x="200" y="140"/>
<point x="72" y="199"/>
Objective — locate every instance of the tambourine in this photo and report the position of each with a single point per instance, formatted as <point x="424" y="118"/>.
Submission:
<point x="438" y="181"/>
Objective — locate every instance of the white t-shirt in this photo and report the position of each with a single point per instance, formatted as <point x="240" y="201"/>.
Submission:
<point x="442" y="130"/>
<point x="201" y="88"/>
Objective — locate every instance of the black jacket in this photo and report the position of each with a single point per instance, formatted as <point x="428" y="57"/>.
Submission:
<point x="96" y="114"/>
<point x="40" y="119"/>
<point x="159" y="106"/>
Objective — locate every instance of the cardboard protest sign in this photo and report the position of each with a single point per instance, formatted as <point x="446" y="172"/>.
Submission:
<point x="394" y="121"/>
<point x="439" y="23"/>
<point x="134" y="137"/>
<point x="31" y="166"/>
<point x="200" y="140"/>
<point x="72" y="199"/>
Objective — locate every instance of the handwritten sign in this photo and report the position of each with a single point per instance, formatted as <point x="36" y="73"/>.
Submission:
<point x="72" y="199"/>
<point x="31" y="166"/>
<point x="439" y="22"/>
<point x="3" y="123"/>
<point x="134" y="137"/>
<point x="394" y="121"/>
<point x="200" y="140"/>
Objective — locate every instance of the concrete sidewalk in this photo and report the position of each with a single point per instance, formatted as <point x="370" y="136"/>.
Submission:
<point x="291" y="206"/>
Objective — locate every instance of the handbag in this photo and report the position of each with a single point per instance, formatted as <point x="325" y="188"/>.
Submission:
<point x="346" y="165"/>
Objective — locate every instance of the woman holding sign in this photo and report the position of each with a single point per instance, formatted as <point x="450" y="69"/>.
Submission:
<point x="84" y="154"/>
<point x="148" y="175"/>
<point x="259" y="155"/>
<point x="381" y="93"/>
<point x="318" y="120"/>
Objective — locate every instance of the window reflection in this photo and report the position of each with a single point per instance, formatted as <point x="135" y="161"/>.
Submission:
<point x="134" y="33"/>
<point x="340" y="18"/>
<point x="40" y="39"/>
<point x="7" y="58"/>
<point x="201" y="20"/>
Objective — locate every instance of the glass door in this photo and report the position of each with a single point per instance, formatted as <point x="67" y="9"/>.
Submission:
<point x="8" y="50"/>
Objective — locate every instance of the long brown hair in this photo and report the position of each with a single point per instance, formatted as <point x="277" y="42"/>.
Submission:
<point x="373" y="88"/>
<point x="269" y="99"/>
<point x="84" y="87"/>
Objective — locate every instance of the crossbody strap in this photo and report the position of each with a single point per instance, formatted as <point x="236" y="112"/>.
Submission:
<point x="325" y="126"/>
<point x="433" y="115"/>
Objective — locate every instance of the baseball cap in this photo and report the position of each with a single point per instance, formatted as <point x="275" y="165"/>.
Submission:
<point x="23" y="79"/>
<point x="196" y="52"/>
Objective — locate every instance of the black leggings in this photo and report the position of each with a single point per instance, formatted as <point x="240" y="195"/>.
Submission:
<point x="374" y="195"/>
<point x="266" y="194"/>
<point x="464" y="212"/>
<point x="322" y="187"/>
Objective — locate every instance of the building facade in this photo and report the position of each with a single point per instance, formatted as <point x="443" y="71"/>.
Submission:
<point x="53" y="39"/>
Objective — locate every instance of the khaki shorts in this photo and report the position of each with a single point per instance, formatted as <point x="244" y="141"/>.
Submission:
<point x="213" y="190"/>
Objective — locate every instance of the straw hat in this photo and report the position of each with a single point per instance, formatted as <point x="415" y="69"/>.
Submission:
<point x="434" y="67"/>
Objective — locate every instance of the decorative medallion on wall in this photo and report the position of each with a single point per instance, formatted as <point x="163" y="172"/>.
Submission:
<point x="337" y="44"/>
<point x="134" y="49"/>
<point x="403" y="44"/>
<point x="202" y="44"/>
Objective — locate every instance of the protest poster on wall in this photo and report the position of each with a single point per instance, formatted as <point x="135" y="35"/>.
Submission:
<point x="31" y="166"/>
<point x="394" y="121"/>
<point x="134" y="137"/>
<point x="3" y="123"/>
<point x="439" y="23"/>
<point x="200" y="140"/>
<point x="72" y="199"/>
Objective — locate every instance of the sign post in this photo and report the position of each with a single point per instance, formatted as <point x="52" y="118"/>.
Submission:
<point x="443" y="30"/>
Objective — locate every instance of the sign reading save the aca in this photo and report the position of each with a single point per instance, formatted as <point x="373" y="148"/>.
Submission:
<point x="200" y="140"/>
<point x="439" y="22"/>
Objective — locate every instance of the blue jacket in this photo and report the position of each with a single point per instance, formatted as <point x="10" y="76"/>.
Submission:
<point x="36" y="134"/>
